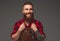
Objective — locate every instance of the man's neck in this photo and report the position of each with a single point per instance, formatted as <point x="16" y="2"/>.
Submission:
<point x="27" y="22"/>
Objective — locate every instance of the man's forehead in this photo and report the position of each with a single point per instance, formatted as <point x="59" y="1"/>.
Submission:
<point x="28" y="6"/>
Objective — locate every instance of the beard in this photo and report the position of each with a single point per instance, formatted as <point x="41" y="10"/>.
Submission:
<point x="29" y="19"/>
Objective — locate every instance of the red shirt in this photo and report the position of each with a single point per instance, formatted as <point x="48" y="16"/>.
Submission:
<point x="38" y="24"/>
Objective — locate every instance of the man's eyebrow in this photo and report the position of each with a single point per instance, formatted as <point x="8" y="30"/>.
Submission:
<point x="26" y="9"/>
<point x="30" y="8"/>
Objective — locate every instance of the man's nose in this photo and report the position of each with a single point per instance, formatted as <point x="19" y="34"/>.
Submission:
<point x="28" y="10"/>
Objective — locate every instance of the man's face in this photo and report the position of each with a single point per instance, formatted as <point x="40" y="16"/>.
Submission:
<point x="28" y="11"/>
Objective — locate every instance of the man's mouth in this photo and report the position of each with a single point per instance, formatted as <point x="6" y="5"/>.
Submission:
<point x="28" y="15"/>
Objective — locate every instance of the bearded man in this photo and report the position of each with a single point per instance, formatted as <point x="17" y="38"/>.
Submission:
<point x="28" y="21"/>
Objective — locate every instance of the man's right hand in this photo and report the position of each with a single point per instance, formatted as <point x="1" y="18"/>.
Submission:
<point x="22" y="27"/>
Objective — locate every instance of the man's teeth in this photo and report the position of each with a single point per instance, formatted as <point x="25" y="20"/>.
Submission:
<point x="28" y="14"/>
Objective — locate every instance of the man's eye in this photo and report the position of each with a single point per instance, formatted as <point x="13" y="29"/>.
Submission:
<point x="31" y="9"/>
<point x="26" y="9"/>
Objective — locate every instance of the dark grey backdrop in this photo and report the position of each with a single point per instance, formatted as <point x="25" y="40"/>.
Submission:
<point x="46" y="11"/>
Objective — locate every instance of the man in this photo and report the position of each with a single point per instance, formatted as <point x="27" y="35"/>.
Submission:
<point x="28" y="20"/>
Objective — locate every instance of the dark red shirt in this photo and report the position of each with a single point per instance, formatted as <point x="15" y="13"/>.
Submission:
<point x="38" y="24"/>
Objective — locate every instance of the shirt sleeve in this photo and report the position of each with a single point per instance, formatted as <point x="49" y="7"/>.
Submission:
<point x="14" y="29"/>
<point x="40" y="29"/>
<point x="16" y="26"/>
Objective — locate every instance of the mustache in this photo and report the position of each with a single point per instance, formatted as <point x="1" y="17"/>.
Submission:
<point x="32" y="15"/>
<point x="29" y="13"/>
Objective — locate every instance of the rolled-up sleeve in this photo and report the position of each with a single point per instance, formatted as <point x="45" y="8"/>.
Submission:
<point x="40" y="28"/>
<point x="14" y="29"/>
<point x="16" y="26"/>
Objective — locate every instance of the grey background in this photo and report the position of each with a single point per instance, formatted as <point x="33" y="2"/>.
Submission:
<point x="46" y="11"/>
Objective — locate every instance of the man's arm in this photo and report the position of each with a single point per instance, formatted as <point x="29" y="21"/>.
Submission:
<point x="39" y="32"/>
<point x="38" y="29"/>
<point x="39" y="36"/>
<point x="16" y="36"/>
<point x="17" y="31"/>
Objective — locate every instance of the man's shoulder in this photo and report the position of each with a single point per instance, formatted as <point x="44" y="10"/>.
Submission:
<point x="37" y="21"/>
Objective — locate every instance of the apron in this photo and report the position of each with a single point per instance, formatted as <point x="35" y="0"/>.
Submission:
<point x="27" y="35"/>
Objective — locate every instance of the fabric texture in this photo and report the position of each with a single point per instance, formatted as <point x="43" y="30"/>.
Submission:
<point x="38" y="24"/>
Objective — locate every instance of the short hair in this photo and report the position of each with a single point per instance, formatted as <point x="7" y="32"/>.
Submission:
<point x="26" y="3"/>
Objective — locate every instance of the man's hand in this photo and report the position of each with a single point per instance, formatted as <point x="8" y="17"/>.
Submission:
<point x="16" y="36"/>
<point x="22" y="27"/>
<point x="34" y="27"/>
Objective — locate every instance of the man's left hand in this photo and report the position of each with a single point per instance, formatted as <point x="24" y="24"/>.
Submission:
<point x="34" y="27"/>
